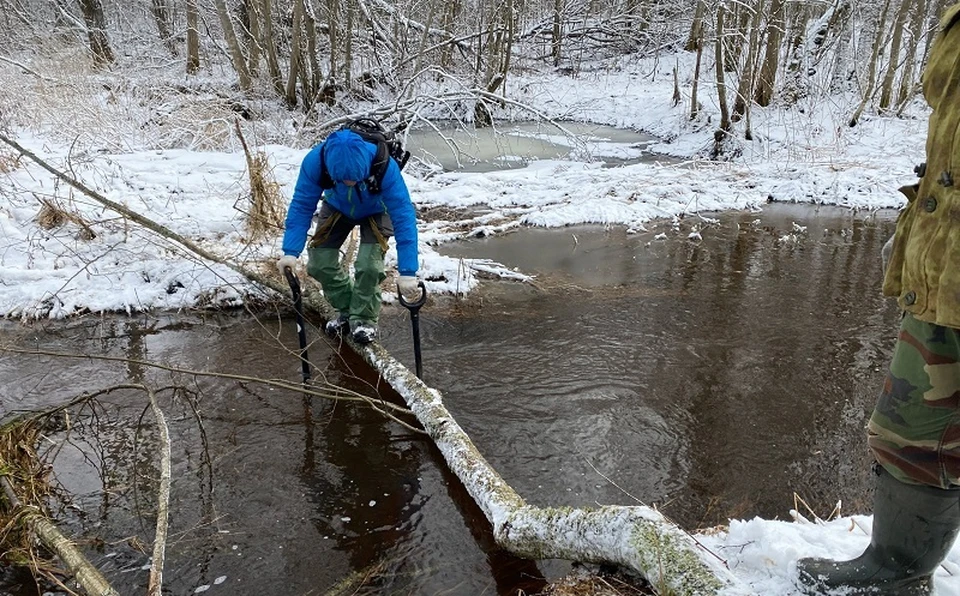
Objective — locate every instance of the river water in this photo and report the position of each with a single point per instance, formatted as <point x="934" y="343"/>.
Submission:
<point x="713" y="376"/>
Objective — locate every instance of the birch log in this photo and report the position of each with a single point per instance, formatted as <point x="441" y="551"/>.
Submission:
<point x="638" y="538"/>
<point x="84" y="573"/>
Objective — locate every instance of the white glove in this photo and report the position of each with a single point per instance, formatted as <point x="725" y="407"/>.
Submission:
<point x="285" y="262"/>
<point x="407" y="284"/>
<point x="885" y="253"/>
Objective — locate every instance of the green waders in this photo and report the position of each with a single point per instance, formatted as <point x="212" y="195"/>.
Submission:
<point x="358" y="298"/>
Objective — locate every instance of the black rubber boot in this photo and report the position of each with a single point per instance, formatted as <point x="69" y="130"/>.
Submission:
<point x="336" y="325"/>
<point x="914" y="528"/>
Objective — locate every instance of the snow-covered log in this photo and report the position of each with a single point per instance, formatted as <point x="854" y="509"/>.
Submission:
<point x="84" y="573"/>
<point x="638" y="538"/>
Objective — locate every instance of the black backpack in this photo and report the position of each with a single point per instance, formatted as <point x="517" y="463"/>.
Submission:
<point x="388" y="145"/>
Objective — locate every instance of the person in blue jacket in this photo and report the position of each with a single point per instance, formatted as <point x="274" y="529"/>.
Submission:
<point x="339" y="171"/>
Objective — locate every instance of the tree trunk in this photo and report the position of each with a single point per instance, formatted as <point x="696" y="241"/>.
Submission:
<point x="290" y="94"/>
<point x="316" y="75"/>
<point x="233" y="45"/>
<point x="741" y="104"/>
<point x="908" y="85"/>
<point x="451" y="12"/>
<point x="723" y="132"/>
<point x="872" y="69"/>
<point x="333" y="37"/>
<point x="499" y="48"/>
<point x="161" y="15"/>
<point x="269" y="44"/>
<point x="556" y="39"/>
<point x="735" y="40"/>
<point x="808" y="44"/>
<point x="351" y="13"/>
<point x="886" y="88"/>
<point x="97" y="32"/>
<point x="766" y="81"/>
<point x="422" y="46"/>
<point x="193" y="38"/>
<point x="935" y="22"/>
<point x="694" y="100"/>
<point x="252" y="35"/>
<point x="695" y="39"/>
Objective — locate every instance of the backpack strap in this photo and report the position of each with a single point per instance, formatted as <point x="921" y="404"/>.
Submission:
<point x="378" y="169"/>
<point x="326" y="182"/>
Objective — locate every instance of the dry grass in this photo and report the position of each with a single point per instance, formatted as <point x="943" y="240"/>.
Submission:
<point x="444" y="213"/>
<point x="8" y="162"/>
<point x="583" y="582"/>
<point x="53" y="215"/>
<point x="28" y="477"/>
<point x="264" y="218"/>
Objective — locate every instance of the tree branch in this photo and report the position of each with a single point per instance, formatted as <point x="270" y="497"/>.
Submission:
<point x="84" y="572"/>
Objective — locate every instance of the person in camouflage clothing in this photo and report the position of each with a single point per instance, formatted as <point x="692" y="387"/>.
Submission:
<point x="914" y="432"/>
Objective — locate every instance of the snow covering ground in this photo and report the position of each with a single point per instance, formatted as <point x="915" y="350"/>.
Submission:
<point x="803" y="154"/>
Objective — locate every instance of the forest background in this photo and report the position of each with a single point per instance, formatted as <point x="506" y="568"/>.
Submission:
<point x="164" y="74"/>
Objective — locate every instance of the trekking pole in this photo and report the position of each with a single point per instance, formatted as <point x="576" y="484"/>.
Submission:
<point x="301" y="327"/>
<point x="414" y="308"/>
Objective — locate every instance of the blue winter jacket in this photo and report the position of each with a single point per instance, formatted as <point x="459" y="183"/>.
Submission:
<point x="348" y="157"/>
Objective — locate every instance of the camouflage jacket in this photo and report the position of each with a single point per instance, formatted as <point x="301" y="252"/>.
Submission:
<point x="924" y="268"/>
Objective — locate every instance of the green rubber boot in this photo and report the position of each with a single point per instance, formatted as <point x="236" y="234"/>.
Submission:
<point x="914" y="527"/>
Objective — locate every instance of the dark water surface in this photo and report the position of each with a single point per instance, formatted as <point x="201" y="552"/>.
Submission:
<point x="713" y="377"/>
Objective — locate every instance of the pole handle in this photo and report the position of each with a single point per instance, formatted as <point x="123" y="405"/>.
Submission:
<point x="416" y="304"/>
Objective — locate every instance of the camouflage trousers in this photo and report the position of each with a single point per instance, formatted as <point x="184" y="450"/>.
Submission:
<point x="915" y="429"/>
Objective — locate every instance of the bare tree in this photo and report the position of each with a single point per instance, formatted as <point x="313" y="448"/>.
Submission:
<point x="161" y="15"/>
<point x="734" y="39"/>
<point x="871" y="82"/>
<point x="333" y="37"/>
<point x="917" y="33"/>
<point x="312" y="89"/>
<point x="96" y="25"/>
<point x="695" y="39"/>
<point x="556" y="33"/>
<point x="809" y="44"/>
<point x="233" y="45"/>
<point x="741" y="104"/>
<point x="264" y="40"/>
<point x="893" y="64"/>
<point x="499" y="46"/>
<point x="939" y="9"/>
<point x="698" y="45"/>
<point x="250" y="34"/>
<point x="766" y="80"/>
<point x="451" y="12"/>
<point x="725" y="125"/>
<point x="351" y="11"/>
<point x="193" y="37"/>
<point x="290" y="94"/>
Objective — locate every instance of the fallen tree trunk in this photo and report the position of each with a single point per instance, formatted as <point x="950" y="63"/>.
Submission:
<point x="638" y="538"/>
<point x="84" y="573"/>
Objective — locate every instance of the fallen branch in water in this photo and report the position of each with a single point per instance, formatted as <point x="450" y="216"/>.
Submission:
<point x="85" y="574"/>
<point x="638" y="538"/>
<point x="163" y="499"/>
